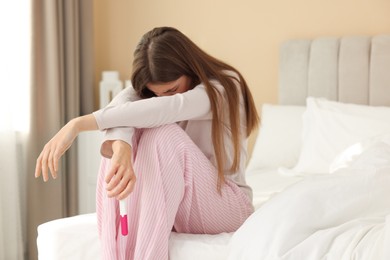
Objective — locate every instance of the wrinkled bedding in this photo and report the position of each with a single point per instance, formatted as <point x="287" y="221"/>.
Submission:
<point x="343" y="215"/>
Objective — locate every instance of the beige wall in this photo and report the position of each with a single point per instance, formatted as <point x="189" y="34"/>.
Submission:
<point x="245" y="33"/>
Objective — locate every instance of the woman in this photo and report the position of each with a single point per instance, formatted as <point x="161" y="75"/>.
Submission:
<point x="175" y="142"/>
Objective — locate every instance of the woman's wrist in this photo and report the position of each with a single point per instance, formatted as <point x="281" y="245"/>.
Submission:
<point x="84" y="123"/>
<point x="74" y="126"/>
<point x="119" y="145"/>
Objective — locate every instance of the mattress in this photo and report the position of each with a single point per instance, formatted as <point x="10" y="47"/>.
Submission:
<point x="76" y="237"/>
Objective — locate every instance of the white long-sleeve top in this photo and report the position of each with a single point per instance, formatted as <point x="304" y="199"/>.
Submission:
<point x="191" y="110"/>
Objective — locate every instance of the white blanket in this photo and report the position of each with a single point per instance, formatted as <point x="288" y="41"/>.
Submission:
<point x="344" y="215"/>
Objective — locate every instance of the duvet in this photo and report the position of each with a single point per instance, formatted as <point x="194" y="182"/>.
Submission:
<point x="343" y="215"/>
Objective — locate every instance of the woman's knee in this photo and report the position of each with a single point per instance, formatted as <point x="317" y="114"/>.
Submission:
<point x="165" y="133"/>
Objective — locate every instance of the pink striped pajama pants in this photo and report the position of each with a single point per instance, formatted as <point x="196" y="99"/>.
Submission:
<point x="176" y="189"/>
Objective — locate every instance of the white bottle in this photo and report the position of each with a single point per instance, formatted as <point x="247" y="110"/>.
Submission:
<point x="110" y="86"/>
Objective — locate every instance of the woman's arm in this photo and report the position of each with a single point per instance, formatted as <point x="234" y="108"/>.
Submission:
<point x="123" y="134"/>
<point x="126" y="95"/>
<point x="116" y="145"/>
<point x="120" y="179"/>
<point x="57" y="146"/>
<point x="127" y="111"/>
<point x="191" y="105"/>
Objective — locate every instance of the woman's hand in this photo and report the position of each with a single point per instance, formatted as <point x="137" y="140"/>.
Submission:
<point x="54" y="149"/>
<point x="57" y="146"/>
<point x="121" y="178"/>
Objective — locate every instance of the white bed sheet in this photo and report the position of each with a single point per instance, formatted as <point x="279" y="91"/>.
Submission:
<point x="76" y="237"/>
<point x="266" y="183"/>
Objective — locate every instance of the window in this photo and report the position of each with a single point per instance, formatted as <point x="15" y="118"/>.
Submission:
<point x="15" y="52"/>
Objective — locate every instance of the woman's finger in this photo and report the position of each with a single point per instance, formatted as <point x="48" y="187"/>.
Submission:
<point x="118" y="188"/>
<point x="54" y="162"/>
<point x="56" y="159"/>
<point x="44" y="165"/>
<point x="112" y="172"/>
<point x="121" y="186"/>
<point x="129" y="188"/>
<point x="114" y="181"/>
<point x="50" y="162"/>
<point x="38" y="167"/>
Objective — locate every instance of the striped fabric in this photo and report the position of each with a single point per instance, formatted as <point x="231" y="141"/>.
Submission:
<point x="175" y="190"/>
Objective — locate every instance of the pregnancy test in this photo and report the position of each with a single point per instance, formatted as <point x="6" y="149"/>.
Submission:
<point x="123" y="217"/>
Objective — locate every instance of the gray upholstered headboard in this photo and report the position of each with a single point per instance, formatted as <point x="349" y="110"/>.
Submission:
<point x="354" y="69"/>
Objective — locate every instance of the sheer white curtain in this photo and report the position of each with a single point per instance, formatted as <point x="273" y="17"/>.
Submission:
<point x="14" y="122"/>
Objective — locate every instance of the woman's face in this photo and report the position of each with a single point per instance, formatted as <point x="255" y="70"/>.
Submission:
<point x="180" y="85"/>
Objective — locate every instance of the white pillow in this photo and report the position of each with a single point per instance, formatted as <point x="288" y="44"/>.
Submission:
<point x="279" y="140"/>
<point x="329" y="127"/>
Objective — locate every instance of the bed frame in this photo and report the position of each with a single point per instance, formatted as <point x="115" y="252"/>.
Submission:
<point x="351" y="69"/>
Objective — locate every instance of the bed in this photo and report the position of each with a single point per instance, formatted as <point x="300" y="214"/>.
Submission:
<point x="320" y="167"/>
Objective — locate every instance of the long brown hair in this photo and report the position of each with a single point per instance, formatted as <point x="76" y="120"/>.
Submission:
<point x="164" y="54"/>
